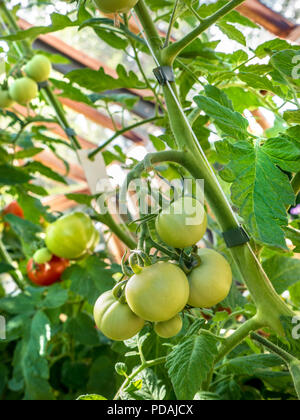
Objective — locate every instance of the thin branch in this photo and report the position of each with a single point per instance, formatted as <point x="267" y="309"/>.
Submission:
<point x="171" y="52"/>
<point x="171" y="24"/>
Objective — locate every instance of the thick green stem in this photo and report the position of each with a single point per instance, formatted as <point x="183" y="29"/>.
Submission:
<point x="149" y="27"/>
<point x="172" y="51"/>
<point x="238" y="337"/>
<point x="16" y="274"/>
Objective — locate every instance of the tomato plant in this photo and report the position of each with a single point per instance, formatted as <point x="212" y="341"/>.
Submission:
<point x="153" y="175"/>
<point x="47" y="273"/>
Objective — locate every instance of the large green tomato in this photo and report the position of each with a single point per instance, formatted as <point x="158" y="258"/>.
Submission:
<point x="168" y="329"/>
<point x="183" y="224"/>
<point x="210" y="283"/>
<point x="38" y="68"/>
<point x="115" y="319"/>
<point x="23" y="90"/>
<point x="71" y="236"/>
<point x="158" y="293"/>
<point x="5" y="99"/>
<point x="115" y="6"/>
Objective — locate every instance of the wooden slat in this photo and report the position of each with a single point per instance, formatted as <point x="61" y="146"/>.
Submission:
<point x="98" y="118"/>
<point x="270" y="20"/>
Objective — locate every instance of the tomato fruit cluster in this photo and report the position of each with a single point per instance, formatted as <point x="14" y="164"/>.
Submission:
<point x="72" y="236"/>
<point x="159" y="292"/>
<point x="25" y="89"/>
<point x="48" y="273"/>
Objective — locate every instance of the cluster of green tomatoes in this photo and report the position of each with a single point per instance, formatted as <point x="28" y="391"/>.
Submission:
<point x="159" y="292"/>
<point x="24" y="89"/>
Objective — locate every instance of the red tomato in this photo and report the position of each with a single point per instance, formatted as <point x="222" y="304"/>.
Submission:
<point x="46" y="274"/>
<point x="13" y="208"/>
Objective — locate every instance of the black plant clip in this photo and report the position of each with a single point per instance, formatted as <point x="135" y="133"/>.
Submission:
<point x="235" y="237"/>
<point x="42" y="85"/>
<point x="70" y="132"/>
<point x="164" y="74"/>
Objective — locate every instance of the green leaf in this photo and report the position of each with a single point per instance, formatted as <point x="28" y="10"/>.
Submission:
<point x="230" y="122"/>
<point x="189" y="363"/>
<point x="282" y="271"/>
<point x="26" y="231"/>
<point x="71" y="92"/>
<point x="232" y="32"/>
<point x="90" y="278"/>
<point x="75" y="375"/>
<point x="5" y="268"/>
<point x="91" y="397"/>
<point x="259" y="82"/>
<point x="27" y="153"/>
<point x="35" y="365"/>
<point x="260" y="190"/>
<point x="295" y="372"/>
<point x="38" y="167"/>
<point x="10" y="175"/>
<point x="55" y="298"/>
<point x="283" y="152"/>
<point x="83" y="199"/>
<point x="292" y="116"/>
<point x="99" y="81"/>
<point x="247" y="365"/>
<point x="111" y="38"/>
<point x="287" y="63"/>
<point x="271" y="47"/>
<point x="82" y="329"/>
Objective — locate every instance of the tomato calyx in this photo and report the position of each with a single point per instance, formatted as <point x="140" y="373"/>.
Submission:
<point x="119" y="291"/>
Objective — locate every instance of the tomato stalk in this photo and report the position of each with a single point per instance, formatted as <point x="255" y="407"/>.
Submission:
<point x="269" y="304"/>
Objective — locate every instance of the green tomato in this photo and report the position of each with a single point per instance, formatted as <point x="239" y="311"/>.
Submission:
<point x="210" y="283"/>
<point x="38" y="68"/>
<point x="5" y="99"/>
<point x="183" y="224"/>
<point x="42" y="256"/>
<point x="71" y="236"/>
<point x="158" y="293"/>
<point x="115" y="6"/>
<point x="23" y="90"/>
<point x="116" y="320"/>
<point x="168" y="329"/>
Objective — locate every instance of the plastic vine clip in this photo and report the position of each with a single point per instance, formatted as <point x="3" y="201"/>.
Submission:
<point x="42" y="85"/>
<point x="164" y="74"/>
<point x="70" y="132"/>
<point x="235" y="237"/>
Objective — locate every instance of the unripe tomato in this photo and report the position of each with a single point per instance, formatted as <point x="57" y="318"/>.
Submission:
<point x="42" y="256"/>
<point x="71" y="236"/>
<point x="47" y="274"/>
<point x="210" y="283"/>
<point x="5" y="99"/>
<point x="13" y="208"/>
<point x="115" y="319"/>
<point x="182" y="224"/>
<point x="115" y="6"/>
<point x="158" y="293"/>
<point x="23" y="90"/>
<point x="168" y="329"/>
<point x="38" y="68"/>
